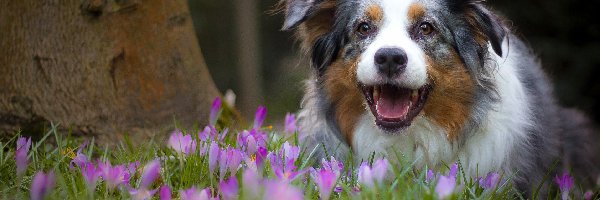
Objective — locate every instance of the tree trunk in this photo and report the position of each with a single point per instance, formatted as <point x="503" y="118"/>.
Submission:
<point x="249" y="68"/>
<point x="101" y="67"/>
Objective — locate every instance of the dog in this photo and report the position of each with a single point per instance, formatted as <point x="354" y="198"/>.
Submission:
<point x="437" y="82"/>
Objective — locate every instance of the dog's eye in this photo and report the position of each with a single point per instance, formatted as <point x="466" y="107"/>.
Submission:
<point x="364" y="29"/>
<point x="426" y="28"/>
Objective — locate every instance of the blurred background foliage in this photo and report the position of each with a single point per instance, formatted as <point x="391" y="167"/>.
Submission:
<point x="564" y="33"/>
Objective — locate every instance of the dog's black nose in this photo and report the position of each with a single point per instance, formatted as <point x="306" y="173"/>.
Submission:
<point x="390" y="61"/>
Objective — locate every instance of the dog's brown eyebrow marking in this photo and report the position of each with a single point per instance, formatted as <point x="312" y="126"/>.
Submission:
<point x="374" y="12"/>
<point x="416" y="11"/>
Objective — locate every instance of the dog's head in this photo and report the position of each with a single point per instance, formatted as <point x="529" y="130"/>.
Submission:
<point x="401" y="58"/>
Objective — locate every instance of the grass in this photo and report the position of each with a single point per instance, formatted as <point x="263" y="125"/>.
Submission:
<point x="55" y="151"/>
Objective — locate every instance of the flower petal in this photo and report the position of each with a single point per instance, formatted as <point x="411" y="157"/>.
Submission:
<point x="445" y="186"/>
<point x="229" y="188"/>
<point x="41" y="185"/>
<point x="165" y="192"/>
<point x="214" y="111"/>
<point x="150" y="173"/>
<point x="260" y="116"/>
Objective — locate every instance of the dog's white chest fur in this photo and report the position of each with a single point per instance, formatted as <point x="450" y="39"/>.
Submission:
<point x="482" y="150"/>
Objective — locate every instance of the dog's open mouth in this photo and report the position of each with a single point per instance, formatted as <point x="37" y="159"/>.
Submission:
<point x="395" y="107"/>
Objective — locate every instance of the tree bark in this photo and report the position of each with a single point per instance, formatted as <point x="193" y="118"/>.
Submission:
<point x="101" y="67"/>
<point x="248" y="64"/>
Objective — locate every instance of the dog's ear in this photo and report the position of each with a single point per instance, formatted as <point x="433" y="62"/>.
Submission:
<point x="482" y="21"/>
<point x="474" y="28"/>
<point x="491" y="26"/>
<point x="297" y="11"/>
<point x="324" y="51"/>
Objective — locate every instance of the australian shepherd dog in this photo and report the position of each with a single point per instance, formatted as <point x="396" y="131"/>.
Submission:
<point x="439" y="81"/>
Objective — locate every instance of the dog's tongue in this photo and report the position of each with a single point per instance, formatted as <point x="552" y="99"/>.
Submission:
<point x="393" y="103"/>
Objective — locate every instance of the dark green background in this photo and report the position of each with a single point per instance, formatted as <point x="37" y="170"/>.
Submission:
<point x="564" y="33"/>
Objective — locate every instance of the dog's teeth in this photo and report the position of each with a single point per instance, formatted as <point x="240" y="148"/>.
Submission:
<point x="376" y="93"/>
<point x="415" y="93"/>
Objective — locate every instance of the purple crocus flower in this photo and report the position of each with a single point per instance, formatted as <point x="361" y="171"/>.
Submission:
<point x="202" y="148"/>
<point x="260" y="139"/>
<point x="290" y="124"/>
<point x="260" y="136"/>
<point x="565" y="183"/>
<point x="195" y="194"/>
<point x="80" y="158"/>
<point x="445" y="186"/>
<point x="211" y="133"/>
<point x="165" y="192"/>
<point x="248" y="142"/>
<point x="229" y="160"/>
<point x="365" y="176"/>
<point x="213" y="156"/>
<point x="490" y="181"/>
<point x="205" y="134"/>
<point x="214" y="111"/>
<point x="255" y="162"/>
<point x="23" y="145"/>
<point x="338" y="189"/>
<point x="251" y="162"/>
<point x="282" y="190"/>
<point x="113" y="175"/>
<point x="132" y="167"/>
<point x="261" y="155"/>
<point x="429" y="176"/>
<point x="453" y="170"/>
<point x="251" y="140"/>
<point x="289" y="152"/>
<point x="221" y="136"/>
<point x="332" y="165"/>
<point x="90" y="175"/>
<point x="182" y="143"/>
<point x="229" y="188"/>
<point x="130" y="171"/>
<point x="42" y="184"/>
<point x="251" y="183"/>
<point x="325" y="181"/>
<point x="259" y="117"/>
<point x="234" y="159"/>
<point x="283" y="162"/>
<point x="380" y="168"/>
<point x="251" y="146"/>
<point x="150" y="173"/>
<point x="192" y="194"/>
<point x="141" y="193"/>
<point x="287" y="172"/>
<point x="223" y="167"/>
<point x="241" y="138"/>
<point x="368" y="176"/>
<point x="588" y="195"/>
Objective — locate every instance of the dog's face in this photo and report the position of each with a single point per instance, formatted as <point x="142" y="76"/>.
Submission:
<point x="392" y="68"/>
<point x="401" y="58"/>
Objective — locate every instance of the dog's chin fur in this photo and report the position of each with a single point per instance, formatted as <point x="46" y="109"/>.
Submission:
<point x="491" y="106"/>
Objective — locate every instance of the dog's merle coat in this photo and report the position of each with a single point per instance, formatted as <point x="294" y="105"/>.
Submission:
<point x="491" y="105"/>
